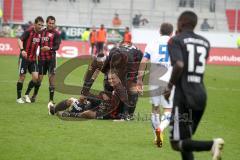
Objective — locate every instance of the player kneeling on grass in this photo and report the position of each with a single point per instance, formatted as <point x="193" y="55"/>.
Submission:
<point x="103" y="106"/>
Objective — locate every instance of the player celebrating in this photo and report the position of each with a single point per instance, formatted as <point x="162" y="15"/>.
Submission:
<point x="157" y="53"/>
<point x="28" y="44"/>
<point x="188" y="52"/>
<point x="50" y="42"/>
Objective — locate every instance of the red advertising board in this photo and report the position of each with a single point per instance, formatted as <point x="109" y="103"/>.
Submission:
<point x="68" y="49"/>
<point x="9" y="46"/>
<point x="71" y="49"/>
<point x="224" y="56"/>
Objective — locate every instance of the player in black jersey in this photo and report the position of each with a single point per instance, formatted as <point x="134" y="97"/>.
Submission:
<point x="189" y="52"/>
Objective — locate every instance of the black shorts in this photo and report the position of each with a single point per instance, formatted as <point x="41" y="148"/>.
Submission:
<point x="184" y="122"/>
<point x="47" y="66"/>
<point x="25" y="65"/>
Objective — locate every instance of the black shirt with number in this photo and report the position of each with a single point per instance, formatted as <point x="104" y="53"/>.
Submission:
<point x="193" y="51"/>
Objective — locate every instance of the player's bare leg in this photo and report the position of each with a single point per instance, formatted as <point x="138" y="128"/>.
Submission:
<point x="61" y="106"/>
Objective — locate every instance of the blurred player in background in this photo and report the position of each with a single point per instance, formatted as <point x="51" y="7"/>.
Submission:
<point x="157" y="53"/>
<point x="101" y="38"/>
<point x="50" y="43"/>
<point x="29" y="43"/>
<point x="188" y="52"/>
<point x="127" y="37"/>
<point x="93" y="39"/>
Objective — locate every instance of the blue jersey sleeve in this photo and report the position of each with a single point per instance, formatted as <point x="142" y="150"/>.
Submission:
<point x="147" y="55"/>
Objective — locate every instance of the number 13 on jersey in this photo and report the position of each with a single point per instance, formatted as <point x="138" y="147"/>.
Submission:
<point x="196" y="64"/>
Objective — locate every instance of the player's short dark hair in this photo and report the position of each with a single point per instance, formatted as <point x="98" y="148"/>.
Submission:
<point x="50" y="18"/>
<point x="187" y="20"/>
<point x="38" y="19"/>
<point x="166" y="29"/>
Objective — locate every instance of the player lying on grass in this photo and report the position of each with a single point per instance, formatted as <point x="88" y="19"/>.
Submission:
<point x="102" y="106"/>
<point x="124" y="59"/>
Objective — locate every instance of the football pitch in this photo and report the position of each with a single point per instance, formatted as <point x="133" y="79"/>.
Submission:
<point x="28" y="132"/>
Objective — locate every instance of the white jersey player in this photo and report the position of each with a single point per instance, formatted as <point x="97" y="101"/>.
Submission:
<point x="156" y="52"/>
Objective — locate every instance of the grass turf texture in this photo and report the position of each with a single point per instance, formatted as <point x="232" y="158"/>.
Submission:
<point x="28" y="132"/>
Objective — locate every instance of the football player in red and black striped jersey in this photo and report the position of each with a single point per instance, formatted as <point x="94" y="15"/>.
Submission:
<point x="50" y="42"/>
<point x="101" y="106"/>
<point x="28" y="44"/>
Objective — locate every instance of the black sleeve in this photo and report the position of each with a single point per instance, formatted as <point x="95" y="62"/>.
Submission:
<point x="106" y="66"/>
<point x="25" y="35"/>
<point x="140" y="55"/>
<point x="175" y="50"/>
<point x="208" y="50"/>
<point x="56" y="42"/>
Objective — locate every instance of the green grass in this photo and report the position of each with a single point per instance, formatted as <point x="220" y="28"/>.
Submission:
<point x="27" y="132"/>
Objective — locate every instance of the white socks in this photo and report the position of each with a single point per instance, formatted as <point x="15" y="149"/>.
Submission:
<point x="155" y="120"/>
<point x="165" y="120"/>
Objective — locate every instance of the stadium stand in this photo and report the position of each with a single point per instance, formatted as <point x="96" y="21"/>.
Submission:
<point x="233" y="18"/>
<point x="88" y="13"/>
<point x="17" y="12"/>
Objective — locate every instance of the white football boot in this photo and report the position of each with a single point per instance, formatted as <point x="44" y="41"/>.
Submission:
<point x="217" y="148"/>
<point x="20" y="101"/>
<point x="27" y="99"/>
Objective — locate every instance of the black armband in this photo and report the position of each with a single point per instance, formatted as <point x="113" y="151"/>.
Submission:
<point x="21" y="50"/>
